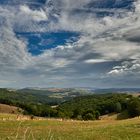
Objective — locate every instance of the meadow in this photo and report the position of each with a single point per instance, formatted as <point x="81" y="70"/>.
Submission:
<point x="57" y="129"/>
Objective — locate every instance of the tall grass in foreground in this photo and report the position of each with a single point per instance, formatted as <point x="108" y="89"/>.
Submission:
<point x="70" y="130"/>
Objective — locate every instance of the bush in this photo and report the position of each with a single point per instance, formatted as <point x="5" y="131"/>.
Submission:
<point x="134" y="108"/>
<point x="89" y="116"/>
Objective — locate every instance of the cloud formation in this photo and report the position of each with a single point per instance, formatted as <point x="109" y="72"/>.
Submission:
<point x="106" y="49"/>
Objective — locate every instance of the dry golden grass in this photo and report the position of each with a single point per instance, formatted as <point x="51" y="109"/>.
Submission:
<point x="134" y="94"/>
<point x="111" y="116"/>
<point x="52" y="129"/>
<point x="9" y="109"/>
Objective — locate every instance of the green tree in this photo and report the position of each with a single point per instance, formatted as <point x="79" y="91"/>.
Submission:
<point x="97" y="115"/>
<point x="76" y="112"/>
<point x="118" y="107"/>
<point x="134" y="108"/>
<point x="89" y="116"/>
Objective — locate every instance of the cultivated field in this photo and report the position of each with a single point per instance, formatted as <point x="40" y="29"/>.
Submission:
<point x="37" y="129"/>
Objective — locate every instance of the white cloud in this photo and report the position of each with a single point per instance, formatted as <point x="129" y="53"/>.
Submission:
<point x="93" y="61"/>
<point x="37" y="15"/>
<point x="126" y="68"/>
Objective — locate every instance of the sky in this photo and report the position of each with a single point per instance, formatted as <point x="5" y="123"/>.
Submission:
<point x="70" y="43"/>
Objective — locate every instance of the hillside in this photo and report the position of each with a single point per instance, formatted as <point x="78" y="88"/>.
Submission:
<point x="71" y="103"/>
<point x="102" y="103"/>
<point x="43" y="96"/>
<point x="38" y="102"/>
<point x="9" y="109"/>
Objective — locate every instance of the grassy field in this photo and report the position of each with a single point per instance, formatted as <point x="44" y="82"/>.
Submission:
<point x="12" y="129"/>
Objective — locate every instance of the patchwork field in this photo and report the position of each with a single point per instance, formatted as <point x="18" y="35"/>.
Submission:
<point x="13" y="129"/>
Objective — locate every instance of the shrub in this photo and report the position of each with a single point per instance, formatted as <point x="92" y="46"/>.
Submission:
<point x="134" y="108"/>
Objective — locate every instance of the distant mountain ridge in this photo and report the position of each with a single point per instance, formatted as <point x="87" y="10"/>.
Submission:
<point x="117" y="90"/>
<point x="84" y="89"/>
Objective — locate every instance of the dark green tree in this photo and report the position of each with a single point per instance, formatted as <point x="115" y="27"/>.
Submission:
<point x="118" y="107"/>
<point x="134" y="108"/>
<point x="97" y="115"/>
<point x="89" y="115"/>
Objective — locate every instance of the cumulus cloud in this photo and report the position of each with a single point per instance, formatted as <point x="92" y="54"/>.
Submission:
<point x="126" y="67"/>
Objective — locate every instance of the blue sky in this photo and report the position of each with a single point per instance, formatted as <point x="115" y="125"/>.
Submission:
<point x="68" y="43"/>
<point x="39" y="42"/>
